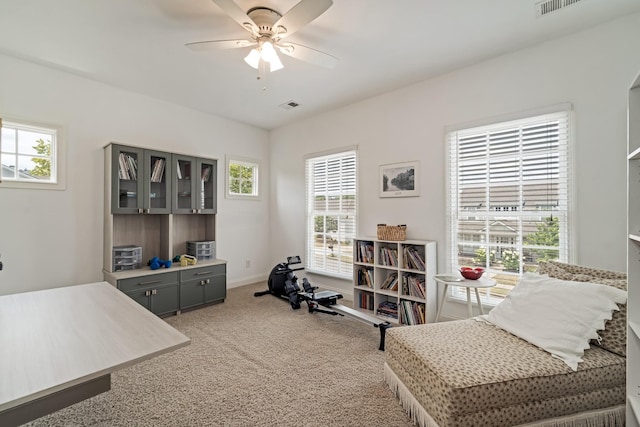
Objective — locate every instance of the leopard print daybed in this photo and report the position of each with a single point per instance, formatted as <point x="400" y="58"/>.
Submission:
<point x="471" y="373"/>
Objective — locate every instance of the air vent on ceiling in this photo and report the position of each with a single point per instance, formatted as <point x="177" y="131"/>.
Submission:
<point x="289" y="105"/>
<point x="546" y="7"/>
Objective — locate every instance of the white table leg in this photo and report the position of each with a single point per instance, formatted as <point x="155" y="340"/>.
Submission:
<point x="479" y="303"/>
<point x="444" y="296"/>
<point x="469" y="312"/>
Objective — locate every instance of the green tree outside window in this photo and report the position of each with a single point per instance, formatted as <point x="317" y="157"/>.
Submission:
<point x="43" y="164"/>
<point x="242" y="179"/>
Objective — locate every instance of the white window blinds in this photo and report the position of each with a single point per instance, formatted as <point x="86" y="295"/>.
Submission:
<point x="331" y="212"/>
<point x="509" y="195"/>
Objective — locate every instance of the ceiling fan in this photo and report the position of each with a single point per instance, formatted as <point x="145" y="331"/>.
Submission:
<point x="268" y="31"/>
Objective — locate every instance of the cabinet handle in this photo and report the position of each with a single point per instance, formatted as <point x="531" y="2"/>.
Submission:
<point x="151" y="282"/>
<point x="153" y="292"/>
<point x="199" y="211"/>
<point x="202" y="282"/>
<point x="193" y="211"/>
<point x="140" y="210"/>
<point x="204" y="272"/>
<point x="147" y="293"/>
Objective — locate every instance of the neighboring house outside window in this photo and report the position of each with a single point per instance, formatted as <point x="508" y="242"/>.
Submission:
<point x="509" y="198"/>
<point x="31" y="156"/>
<point x="242" y="178"/>
<point x="331" y="212"/>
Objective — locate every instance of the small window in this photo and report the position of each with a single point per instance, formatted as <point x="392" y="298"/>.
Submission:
<point x="31" y="156"/>
<point x="242" y="178"/>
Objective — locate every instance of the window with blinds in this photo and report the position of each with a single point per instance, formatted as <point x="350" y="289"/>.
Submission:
<point x="509" y="201"/>
<point x="331" y="213"/>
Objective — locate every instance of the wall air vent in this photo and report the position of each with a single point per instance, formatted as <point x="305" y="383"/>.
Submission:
<point x="546" y="7"/>
<point x="289" y="105"/>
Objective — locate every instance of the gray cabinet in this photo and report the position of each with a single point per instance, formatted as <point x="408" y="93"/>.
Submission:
<point x="168" y="291"/>
<point x="203" y="285"/>
<point x="182" y="190"/>
<point x="194" y="185"/>
<point x="159" y="293"/>
<point x="141" y="181"/>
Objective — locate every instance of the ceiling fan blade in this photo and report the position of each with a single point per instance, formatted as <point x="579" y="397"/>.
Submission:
<point x="308" y="54"/>
<point x="300" y="15"/>
<point x="233" y="10"/>
<point x="219" y="44"/>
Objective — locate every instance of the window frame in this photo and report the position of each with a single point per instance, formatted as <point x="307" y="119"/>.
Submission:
<point x="346" y="230"/>
<point x="566" y="248"/>
<point x="244" y="161"/>
<point x="57" y="155"/>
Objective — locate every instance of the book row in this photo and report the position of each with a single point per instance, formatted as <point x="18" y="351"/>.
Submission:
<point x="412" y="313"/>
<point x="412" y="259"/>
<point x="128" y="167"/>
<point x="365" y="252"/>
<point x="158" y="170"/>
<point x="365" y="277"/>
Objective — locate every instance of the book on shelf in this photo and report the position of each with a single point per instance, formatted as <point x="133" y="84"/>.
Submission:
<point x="413" y="285"/>
<point x="158" y="170"/>
<point x="366" y="301"/>
<point x="391" y="282"/>
<point x="412" y="313"/>
<point x="364" y="277"/>
<point x="365" y="252"/>
<point x="389" y="256"/>
<point x="127" y="167"/>
<point x="388" y="309"/>
<point x="412" y="259"/>
<point x="206" y="172"/>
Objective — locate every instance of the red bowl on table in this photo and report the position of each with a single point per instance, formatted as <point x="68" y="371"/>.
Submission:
<point x="472" y="273"/>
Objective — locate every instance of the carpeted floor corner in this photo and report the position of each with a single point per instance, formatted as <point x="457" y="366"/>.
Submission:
<point x="251" y="362"/>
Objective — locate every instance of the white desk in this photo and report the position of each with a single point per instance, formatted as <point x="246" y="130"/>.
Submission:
<point x="60" y="346"/>
<point x="482" y="282"/>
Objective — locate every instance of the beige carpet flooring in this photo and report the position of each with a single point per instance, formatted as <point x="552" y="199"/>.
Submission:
<point x="252" y="362"/>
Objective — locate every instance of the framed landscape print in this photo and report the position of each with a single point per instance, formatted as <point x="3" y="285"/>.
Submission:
<point x="400" y="180"/>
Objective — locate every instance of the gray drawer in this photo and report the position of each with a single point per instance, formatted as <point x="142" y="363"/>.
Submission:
<point x="202" y="272"/>
<point x="151" y="280"/>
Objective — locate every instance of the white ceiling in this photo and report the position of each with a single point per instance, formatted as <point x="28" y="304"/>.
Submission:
<point x="382" y="45"/>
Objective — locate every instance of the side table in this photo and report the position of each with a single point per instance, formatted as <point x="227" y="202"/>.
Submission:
<point x="456" y="280"/>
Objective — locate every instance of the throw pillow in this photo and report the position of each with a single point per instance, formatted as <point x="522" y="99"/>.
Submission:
<point x="556" y="315"/>
<point x="614" y="336"/>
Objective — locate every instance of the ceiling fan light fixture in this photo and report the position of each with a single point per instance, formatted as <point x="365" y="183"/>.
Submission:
<point x="264" y="54"/>
<point x="253" y="58"/>
<point x="275" y="64"/>
<point x="268" y="52"/>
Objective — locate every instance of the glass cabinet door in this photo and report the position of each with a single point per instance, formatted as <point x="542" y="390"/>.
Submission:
<point x="207" y="186"/>
<point x="126" y="186"/>
<point x="157" y="182"/>
<point x="184" y="184"/>
<point x="194" y="185"/>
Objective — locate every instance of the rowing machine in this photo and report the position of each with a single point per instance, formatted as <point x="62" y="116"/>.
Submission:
<point x="283" y="283"/>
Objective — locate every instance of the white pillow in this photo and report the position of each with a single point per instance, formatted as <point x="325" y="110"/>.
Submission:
<point x="558" y="316"/>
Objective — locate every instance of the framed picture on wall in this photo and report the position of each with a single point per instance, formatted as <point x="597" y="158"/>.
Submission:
<point x="400" y="179"/>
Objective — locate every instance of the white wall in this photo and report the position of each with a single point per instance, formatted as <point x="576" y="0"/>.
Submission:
<point x="54" y="238"/>
<point x="592" y="70"/>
